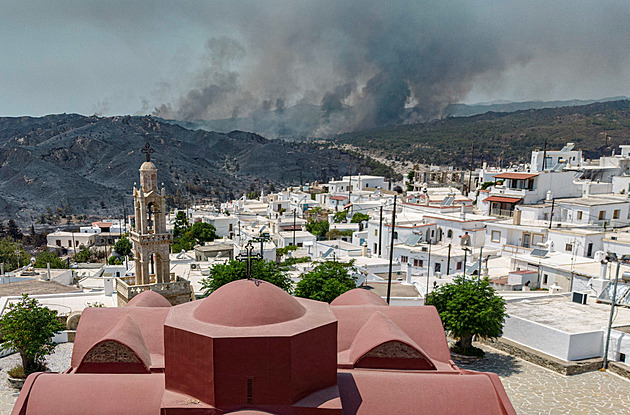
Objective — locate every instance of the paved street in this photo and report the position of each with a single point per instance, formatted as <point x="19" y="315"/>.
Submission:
<point x="535" y="390"/>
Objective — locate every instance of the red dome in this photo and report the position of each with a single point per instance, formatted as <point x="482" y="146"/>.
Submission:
<point x="148" y="298"/>
<point x="358" y="296"/>
<point x="248" y="303"/>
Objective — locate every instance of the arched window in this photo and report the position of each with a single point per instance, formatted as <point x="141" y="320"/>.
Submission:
<point x="449" y="234"/>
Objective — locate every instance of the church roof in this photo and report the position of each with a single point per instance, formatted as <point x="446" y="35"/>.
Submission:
<point x="148" y="299"/>
<point x="248" y="303"/>
<point x="358" y="296"/>
<point x="147" y="165"/>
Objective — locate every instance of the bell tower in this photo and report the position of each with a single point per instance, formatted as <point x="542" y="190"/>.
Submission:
<point x="150" y="239"/>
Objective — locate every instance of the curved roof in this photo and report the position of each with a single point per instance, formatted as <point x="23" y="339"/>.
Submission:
<point x="147" y="165"/>
<point x="248" y="303"/>
<point x="148" y="299"/>
<point x="126" y="333"/>
<point x="359" y="296"/>
<point x="381" y="332"/>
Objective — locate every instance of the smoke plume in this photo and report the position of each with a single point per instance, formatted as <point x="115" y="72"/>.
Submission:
<point x="368" y="63"/>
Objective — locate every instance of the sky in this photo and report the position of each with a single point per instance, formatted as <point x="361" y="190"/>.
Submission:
<point x="391" y="62"/>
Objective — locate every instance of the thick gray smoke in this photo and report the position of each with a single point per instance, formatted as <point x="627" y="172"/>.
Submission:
<point x="366" y="63"/>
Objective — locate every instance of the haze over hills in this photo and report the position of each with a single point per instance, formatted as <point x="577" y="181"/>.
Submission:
<point x="500" y="138"/>
<point x="304" y="121"/>
<point x="91" y="163"/>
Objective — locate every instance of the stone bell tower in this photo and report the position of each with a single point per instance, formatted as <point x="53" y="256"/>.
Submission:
<point x="150" y="239"/>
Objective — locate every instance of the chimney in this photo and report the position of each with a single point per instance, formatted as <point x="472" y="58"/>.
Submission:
<point x="603" y="270"/>
<point x="516" y="219"/>
<point x="463" y="211"/>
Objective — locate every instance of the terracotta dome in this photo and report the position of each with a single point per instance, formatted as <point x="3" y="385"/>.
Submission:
<point x="148" y="299"/>
<point x="359" y="296"/>
<point x="248" y="303"/>
<point x="147" y="165"/>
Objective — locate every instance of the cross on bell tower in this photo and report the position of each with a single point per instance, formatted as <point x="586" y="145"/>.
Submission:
<point x="150" y="239"/>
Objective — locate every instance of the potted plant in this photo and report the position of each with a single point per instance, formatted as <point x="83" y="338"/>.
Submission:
<point x="28" y="328"/>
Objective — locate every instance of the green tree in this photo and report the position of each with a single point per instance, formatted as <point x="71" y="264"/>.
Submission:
<point x="340" y="216"/>
<point x="202" y="232"/>
<point x="14" y="231"/>
<point x="359" y="217"/>
<point x="469" y="307"/>
<point x="84" y="255"/>
<point x="318" y="228"/>
<point x="326" y="282"/>
<point x="46" y="257"/>
<point x="123" y="246"/>
<point x="221" y="274"/>
<point x="12" y="254"/>
<point x="113" y="260"/>
<point x="28" y="328"/>
<point x="181" y="224"/>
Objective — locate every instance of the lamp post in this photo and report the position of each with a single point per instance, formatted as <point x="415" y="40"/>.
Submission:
<point x="391" y="252"/>
<point x="428" y="270"/>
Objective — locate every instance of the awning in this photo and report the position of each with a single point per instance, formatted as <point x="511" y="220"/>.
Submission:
<point x="339" y="197"/>
<point x="503" y="199"/>
<point x="515" y="175"/>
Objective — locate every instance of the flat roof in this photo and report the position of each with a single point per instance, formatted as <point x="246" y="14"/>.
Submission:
<point x="559" y="312"/>
<point x="593" y="200"/>
<point x="34" y="287"/>
<point x="398" y="289"/>
<point x="515" y="175"/>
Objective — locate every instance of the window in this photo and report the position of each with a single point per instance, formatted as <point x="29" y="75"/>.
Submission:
<point x="375" y="250"/>
<point x="579" y="215"/>
<point x="404" y="258"/>
<point x="69" y="244"/>
<point x="58" y="242"/>
<point x="602" y="214"/>
<point x="569" y="248"/>
<point x="375" y="232"/>
<point x="432" y="233"/>
<point x="459" y="265"/>
<point x="418" y="263"/>
<point x="231" y="228"/>
<point x="545" y="279"/>
<point x="616" y="213"/>
<point x="395" y="235"/>
<point x="449" y="234"/>
<point x="300" y="244"/>
<point x="496" y="236"/>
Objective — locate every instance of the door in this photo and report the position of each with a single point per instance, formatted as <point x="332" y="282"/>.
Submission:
<point x="589" y="250"/>
<point x="526" y="240"/>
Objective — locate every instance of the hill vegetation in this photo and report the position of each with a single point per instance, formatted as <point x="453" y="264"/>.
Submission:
<point x="500" y="137"/>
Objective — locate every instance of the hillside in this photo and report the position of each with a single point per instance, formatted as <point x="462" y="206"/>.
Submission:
<point x="89" y="164"/>
<point x="499" y="137"/>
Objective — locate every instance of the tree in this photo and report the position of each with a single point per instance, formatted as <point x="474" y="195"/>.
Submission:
<point x="326" y="282"/>
<point x="336" y="234"/>
<point x="340" y="216"/>
<point x="181" y="224"/>
<point x="197" y="234"/>
<point x="84" y="254"/>
<point x="14" y="231"/>
<point x="123" y="246"/>
<point x="359" y="217"/>
<point x="469" y="307"/>
<point x="46" y="257"/>
<point x="12" y="254"/>
<point x="318" y="227"/>
<point x="28" y="328"/>
<point x="221" y="274"/>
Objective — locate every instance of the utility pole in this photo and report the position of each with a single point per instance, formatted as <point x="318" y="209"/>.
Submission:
<point x="448" y="261"/>
<point x="465" y="257"/>
<point x="350" y="186"/>
<point x="545" y="155"/>
<point x="380" y="230"/>
<point x="391" y="252"/>
<point x="479" y="270"/>
<point x="612" y="313"/>
<point x="294" y="227"/>
<point x="428" y="272"/>
<point x="553" y="203"/>
<point x="472" y="153"/>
